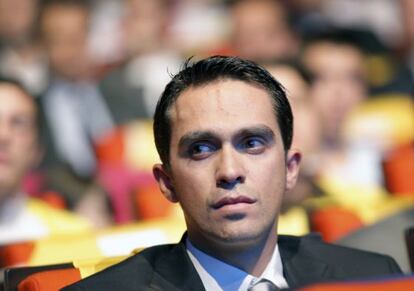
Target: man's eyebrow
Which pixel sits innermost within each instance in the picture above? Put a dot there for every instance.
(260, 130)
(194, 136)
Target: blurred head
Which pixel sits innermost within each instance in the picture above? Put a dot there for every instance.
(296, 81)
(339, 80)
(19, 148)
(17, 19)
(262, 31)
(145, 25)
(65, 28)
(208, 71)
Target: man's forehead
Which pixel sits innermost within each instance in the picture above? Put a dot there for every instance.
(220, 89)
(225, 103)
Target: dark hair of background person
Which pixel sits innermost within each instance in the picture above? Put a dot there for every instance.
(348, 37)
(213, 69)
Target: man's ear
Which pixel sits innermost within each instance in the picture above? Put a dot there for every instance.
(163, 178)
(292, 168)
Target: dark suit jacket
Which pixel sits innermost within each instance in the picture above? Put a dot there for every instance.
(125, 101)
(305, 260)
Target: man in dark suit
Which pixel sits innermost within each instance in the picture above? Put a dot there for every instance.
(223, 130)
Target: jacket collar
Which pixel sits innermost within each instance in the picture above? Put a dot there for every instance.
(175, 271)
(299, 266)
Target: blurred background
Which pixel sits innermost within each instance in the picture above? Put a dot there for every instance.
(94, 71)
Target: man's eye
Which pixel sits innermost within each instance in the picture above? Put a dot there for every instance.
(200, 151)
(253, 145)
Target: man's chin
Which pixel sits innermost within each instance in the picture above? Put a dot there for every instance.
(240, 238)
(244, 235)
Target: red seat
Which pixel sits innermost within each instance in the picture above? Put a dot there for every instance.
(16, 253)
(52, 280)
(398, 170)
(404, 283)
(334, 222)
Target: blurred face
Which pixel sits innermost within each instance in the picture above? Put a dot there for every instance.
(145, 25)
(16, 19)
(228, 168)
(261, 32)
(306, 133)
(339, 82)
(65, 30)
(296, 88)
(18, 142)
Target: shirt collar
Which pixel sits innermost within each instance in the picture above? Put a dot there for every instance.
(214, 272)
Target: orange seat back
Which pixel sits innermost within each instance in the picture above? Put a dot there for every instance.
(398, 170)
(150, 203)
(110, 149)
(15, 254)
(334, 222)
(394, 284)
(52, 280)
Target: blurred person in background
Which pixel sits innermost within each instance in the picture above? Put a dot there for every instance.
(296, 80)
(21, 217)
(307, 134)
(132, 91)
(21, 56)
(339, 86)
(262, 30)
(339, 81)
(383, 28)
(74, 113)
(200, 27)
(381, 17)
(407, 8)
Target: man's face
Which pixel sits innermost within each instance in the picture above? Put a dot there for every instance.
(228, 166)
(18, 142)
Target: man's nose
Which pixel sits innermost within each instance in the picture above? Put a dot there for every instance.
(230, 169)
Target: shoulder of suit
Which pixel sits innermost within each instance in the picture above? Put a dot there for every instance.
(134, 272)
(314, 241)
(313, 246)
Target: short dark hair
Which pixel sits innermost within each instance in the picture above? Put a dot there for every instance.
(213, 69)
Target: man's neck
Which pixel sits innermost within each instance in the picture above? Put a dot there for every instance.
(252, 257)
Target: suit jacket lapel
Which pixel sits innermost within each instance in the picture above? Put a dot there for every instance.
(176, 271)
(298, 266)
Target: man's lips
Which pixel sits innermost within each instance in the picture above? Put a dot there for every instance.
(232, 201)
